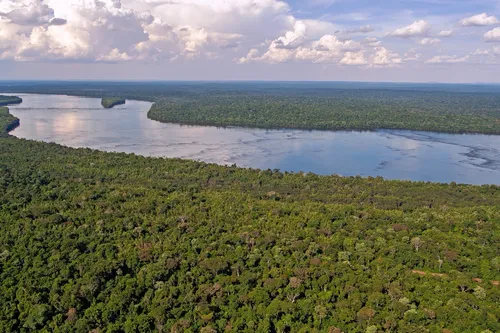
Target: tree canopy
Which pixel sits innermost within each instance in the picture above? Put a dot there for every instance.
(109, 242)
(110, 102)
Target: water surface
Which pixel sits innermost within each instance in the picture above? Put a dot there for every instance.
(392, 154)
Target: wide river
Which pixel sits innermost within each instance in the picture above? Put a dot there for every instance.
(412, 155)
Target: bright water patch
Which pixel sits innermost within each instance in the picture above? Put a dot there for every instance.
(411, 155)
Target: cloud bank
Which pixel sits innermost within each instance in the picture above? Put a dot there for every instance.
(238, 32)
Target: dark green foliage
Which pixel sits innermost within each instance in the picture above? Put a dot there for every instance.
(320, 105)
(110, 102)
(340, 110)
(7, 100)
(122, 243)
(7, 121)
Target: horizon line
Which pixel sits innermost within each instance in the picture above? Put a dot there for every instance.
(244, 81)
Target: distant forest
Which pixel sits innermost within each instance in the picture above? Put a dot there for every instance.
(108, 242)
(323, 106)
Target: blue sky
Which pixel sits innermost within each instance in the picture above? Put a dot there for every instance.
(408, 40)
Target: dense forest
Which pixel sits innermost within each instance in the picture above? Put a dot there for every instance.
(108, 242)
(7, 121)
(348, 110)
(325, 106)
(7, 100)
(110, 102)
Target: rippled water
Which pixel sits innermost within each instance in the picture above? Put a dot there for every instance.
(82, 122)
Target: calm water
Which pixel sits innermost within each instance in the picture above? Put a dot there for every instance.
(82, 122)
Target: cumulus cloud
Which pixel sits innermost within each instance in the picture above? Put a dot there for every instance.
(479, 20)
(372, 41)
(480, 52)
(412, 55)
(264, 31)
(292, 39)
(31, 14)
(429, 41)
(98, 30)
(385, 57)
(492, 35)
(416, 29)
(496, 50)
(445, 33)
(124, 30)
(298, 45)
(444, 59)
(354, 58)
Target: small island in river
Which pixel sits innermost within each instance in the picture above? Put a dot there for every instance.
(108, 103)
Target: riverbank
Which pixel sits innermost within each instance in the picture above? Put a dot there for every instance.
(8, 100)
(435, 108)
(7, 121)
(418, 156)
(194, 238)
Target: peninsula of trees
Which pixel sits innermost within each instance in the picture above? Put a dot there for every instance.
(109, 242)
(7, 121)
(110, 102)
(323, 106)
(7, 100)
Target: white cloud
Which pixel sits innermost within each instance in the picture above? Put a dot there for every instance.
(299, 45)
(445, 33)
(496, 50)
(33, 13)
(294, 38)
(250, 17)
(372, 41)
(123, 30)
(167, 30)
(479, 20)
(332, 43)
(412, 55)
(429, 41)
(362, 29)
(492, 35)
(444, 59)
(95, 31)
(354, 58)
(480, 52)
(114, 56)
(416, 29)
(385, 57)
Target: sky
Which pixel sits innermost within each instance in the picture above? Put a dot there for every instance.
(333, 40)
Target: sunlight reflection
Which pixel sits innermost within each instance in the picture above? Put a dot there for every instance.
(65, 123)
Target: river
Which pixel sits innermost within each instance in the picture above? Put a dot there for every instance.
(392, 154)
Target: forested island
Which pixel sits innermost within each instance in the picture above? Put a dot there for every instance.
(322, 106)
(7, 100)
(109, 242)
(110, 102)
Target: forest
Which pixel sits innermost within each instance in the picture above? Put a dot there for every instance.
(302, 105)
(110, 102)
(110, 242)
(345, 111)
(6, 100)
(7, 121)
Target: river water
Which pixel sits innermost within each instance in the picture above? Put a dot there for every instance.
(392, 154)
